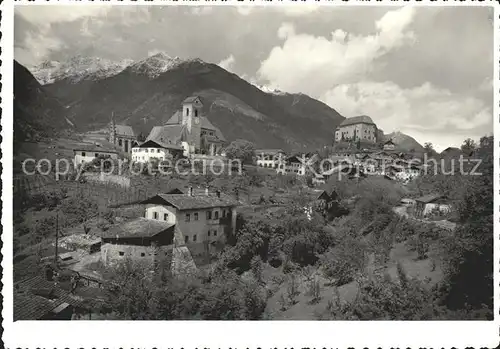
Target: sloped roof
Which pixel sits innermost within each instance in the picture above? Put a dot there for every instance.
(29, 306)
(191, 99)
(362, 119)
(269, 151)
(188, 202)
(137, 228)
(159, 144)
(390, 142)
(124, 130)
(428, 198)
(176, 119)
(173, 133)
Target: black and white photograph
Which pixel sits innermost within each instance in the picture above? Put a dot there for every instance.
(306, 162)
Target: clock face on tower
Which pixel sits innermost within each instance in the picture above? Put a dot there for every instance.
(196, 120)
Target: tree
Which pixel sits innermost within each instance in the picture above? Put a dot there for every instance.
(429, 148)
(242, 150)
(468, 146)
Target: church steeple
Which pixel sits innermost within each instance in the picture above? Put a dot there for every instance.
(112, 129)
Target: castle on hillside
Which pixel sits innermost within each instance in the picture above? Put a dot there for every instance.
(357, 128)
(122, 136)
(190, 129)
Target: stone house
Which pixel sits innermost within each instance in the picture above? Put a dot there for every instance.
(431, 203)
(357, 128)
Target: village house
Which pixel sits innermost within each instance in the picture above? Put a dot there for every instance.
(321, 201)
(403, 171)
(122, 136)
(389, 145)
(87, 153)
(357, 128)
(270, 158)
(170, 221)
(298, 165)
(191, 130)
(141, 239)
(430, 204)
(156, 150)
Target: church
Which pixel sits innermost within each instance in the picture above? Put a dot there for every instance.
(122, 136)
(189, 129)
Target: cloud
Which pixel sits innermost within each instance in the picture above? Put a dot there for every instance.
(227, 63)
(36, 47)
(425, 112)
(45, 15)
(343, 58)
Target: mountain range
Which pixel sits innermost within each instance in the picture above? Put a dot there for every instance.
(85, 93)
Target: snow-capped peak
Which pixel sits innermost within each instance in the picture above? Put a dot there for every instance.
(78, 68)
(155, 65)
(269, 89)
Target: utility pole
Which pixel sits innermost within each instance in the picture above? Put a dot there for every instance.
(57, 238)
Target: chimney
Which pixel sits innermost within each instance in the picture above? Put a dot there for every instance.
(206, 190)
(217, 192)
(190, 191)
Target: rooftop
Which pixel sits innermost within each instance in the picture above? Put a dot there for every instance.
(188, 202)
(428, 198)
(137, 228)
(362, 119)
(124, 130)
(191, 99)
(169, 133)
(159, 144)
(269, 151)
(30, 305)
(176, 119)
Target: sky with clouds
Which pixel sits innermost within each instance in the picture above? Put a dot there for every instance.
(425, 71)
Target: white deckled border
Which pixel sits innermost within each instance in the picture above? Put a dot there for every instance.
(235, 334)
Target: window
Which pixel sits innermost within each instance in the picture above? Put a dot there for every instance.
(121, 253)
(142, 254)
(155, 215)
(83, 153)
(157, 150)
(146, 150)
(215, 232)
(188, 217)
(196, 216)
(96, 155)
(209, 233)
(196, 112)
(194, 237)
(145, 214)
(209, 214)
(216, 215)
(165, 216)
(186, 239)
(120, 142)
